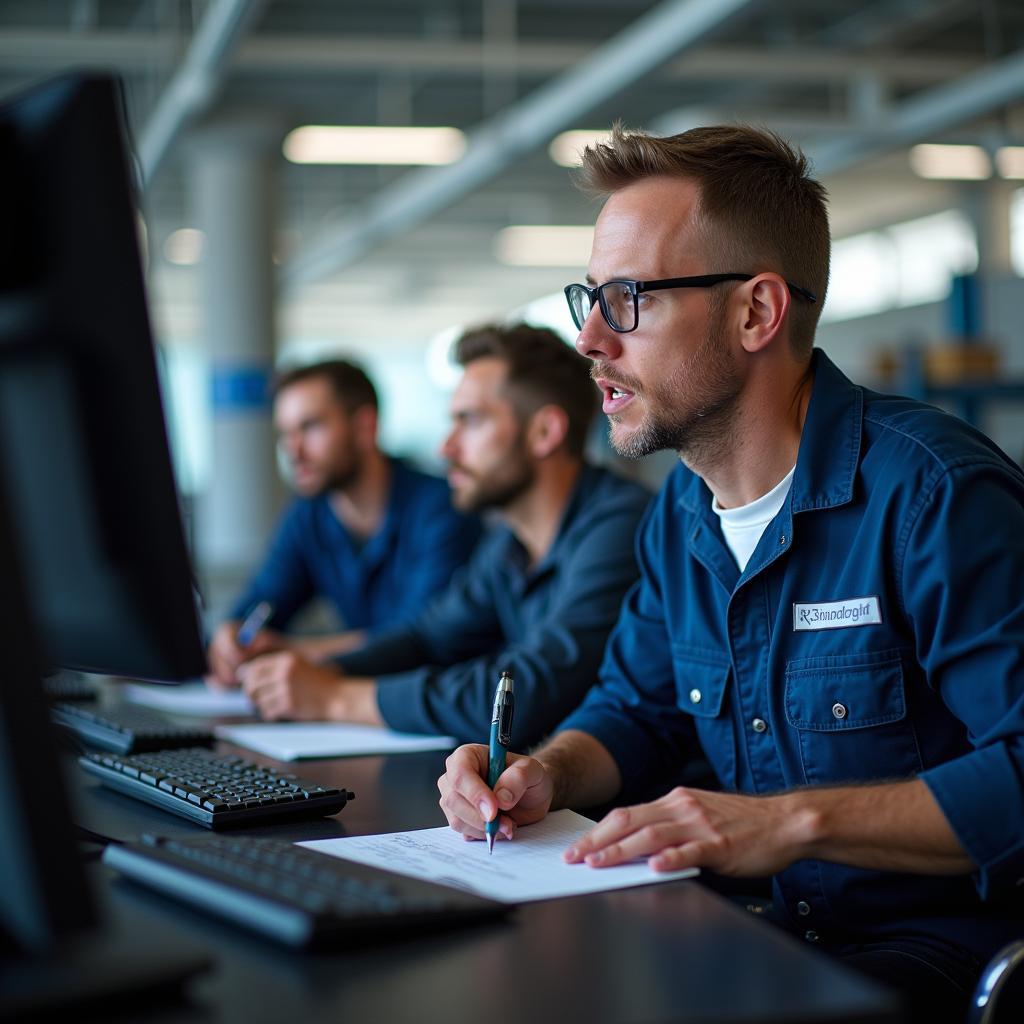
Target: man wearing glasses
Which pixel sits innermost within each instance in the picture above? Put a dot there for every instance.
(831, 601)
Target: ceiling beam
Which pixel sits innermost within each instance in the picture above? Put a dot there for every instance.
(35, 51)
(924, 115)
(497, 143)
(197, 80)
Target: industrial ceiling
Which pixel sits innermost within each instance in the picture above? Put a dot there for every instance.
(414, 249)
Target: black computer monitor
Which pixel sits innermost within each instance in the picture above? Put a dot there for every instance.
(93, 566)
(83, 442)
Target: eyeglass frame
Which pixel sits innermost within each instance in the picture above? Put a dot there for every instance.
(638, 287)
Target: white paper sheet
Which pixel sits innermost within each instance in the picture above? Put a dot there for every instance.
(530, 867)
(189, 699)
(290, 741)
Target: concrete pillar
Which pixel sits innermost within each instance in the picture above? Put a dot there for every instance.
(987, 203)
(233, 189)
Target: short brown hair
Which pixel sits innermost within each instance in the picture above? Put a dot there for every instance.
(351, 387)
(759, 208)
(542, 370)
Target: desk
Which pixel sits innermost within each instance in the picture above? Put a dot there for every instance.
(671, 952)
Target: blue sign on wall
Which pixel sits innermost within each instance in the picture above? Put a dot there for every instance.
(240, 389)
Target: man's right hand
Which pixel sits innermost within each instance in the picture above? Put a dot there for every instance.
(226, 654)
(522, 793)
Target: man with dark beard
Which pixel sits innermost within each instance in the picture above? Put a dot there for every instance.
(540, 593)
(831, 594)
(370, 533)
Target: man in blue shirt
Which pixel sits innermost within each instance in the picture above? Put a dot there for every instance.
(542, 590)
(371, 534)
(831, 599)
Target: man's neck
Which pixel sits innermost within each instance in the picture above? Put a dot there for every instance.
(765, 441)
(362, 504)
(535, 516)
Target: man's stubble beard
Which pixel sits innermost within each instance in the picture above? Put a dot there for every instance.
(699, 434)
(517, 477)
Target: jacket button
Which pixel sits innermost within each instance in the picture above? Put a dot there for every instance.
(810, 935)
(759, 725)
(695, 695)
(803, 908)
(839, 710)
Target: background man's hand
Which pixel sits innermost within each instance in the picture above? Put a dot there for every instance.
(522, 794)
(285, 685)
(226, 655)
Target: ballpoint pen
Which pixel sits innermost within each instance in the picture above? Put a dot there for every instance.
(500, 741)
(254, 622)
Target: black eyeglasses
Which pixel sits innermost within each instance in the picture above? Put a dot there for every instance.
(618, 303)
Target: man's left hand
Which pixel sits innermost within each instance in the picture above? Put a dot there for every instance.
(284, 685)
(730, 834)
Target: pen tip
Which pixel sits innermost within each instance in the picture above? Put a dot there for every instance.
(490, 844)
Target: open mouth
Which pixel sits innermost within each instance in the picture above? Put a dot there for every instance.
(615, 398)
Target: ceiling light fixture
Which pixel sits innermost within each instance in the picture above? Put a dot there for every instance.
(369, 144)
(566, 149)
(962, 163)
(544, 245)
(1010, 161)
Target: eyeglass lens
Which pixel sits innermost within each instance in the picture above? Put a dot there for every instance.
(617, 304)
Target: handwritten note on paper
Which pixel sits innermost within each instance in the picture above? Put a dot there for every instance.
(530, 867)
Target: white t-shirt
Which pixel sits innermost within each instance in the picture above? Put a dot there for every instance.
(743, 526)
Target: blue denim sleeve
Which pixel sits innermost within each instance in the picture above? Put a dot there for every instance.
(554, 661)
(962, 581)
(282, 579)
(441, 541)
(456, 624)
(633, 711)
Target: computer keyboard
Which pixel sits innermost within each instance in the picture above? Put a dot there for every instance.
(215, 790)
(69, 686)
(291, 894)
(126, 729)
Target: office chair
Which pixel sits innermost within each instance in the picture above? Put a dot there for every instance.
(999, 995)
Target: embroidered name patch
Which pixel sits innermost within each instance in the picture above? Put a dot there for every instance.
(856, 611)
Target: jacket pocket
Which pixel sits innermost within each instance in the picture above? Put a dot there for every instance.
(850, 713)
(702, 681)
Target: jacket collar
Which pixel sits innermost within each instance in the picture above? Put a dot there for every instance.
(829, 446)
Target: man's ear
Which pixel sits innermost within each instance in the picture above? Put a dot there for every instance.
(767, 302)
(546, 430)
(364, 427)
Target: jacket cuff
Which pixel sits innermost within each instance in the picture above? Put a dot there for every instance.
(982, 798)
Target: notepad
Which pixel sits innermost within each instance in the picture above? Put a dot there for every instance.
(528, 868)
(292, 741)
(189, 699)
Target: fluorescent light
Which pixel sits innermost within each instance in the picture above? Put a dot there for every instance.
(964, 163)
(184, 246)
(566, 149)
(544, 245)
(368, 144)
(1010, 161)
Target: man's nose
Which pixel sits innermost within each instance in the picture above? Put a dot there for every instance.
(597, 341)
(447, 449)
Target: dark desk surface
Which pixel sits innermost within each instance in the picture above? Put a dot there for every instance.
(670, 952)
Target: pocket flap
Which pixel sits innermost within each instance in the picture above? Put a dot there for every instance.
(845, 691)
(700, 681)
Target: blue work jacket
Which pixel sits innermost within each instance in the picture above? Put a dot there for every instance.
(876, 633)
(376, 585)
(546, 623)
